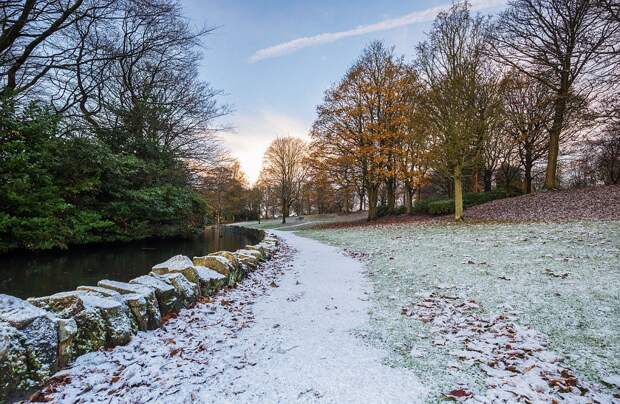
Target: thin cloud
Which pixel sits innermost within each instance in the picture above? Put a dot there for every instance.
(294, 45)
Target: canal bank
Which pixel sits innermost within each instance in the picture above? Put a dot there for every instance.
(45, 334)
(38, 274)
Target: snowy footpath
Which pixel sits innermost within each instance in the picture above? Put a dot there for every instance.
(285, 334)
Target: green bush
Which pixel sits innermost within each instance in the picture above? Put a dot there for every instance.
(60, 191)
(382, 210)
(478, 198)
(422, 206)
(436, 206)
(441, 207)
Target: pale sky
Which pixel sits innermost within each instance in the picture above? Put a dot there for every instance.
(275, 58)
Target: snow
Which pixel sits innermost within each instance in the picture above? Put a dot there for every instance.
(292, 331)
(559, 280)
(178, 262)
(207, 274)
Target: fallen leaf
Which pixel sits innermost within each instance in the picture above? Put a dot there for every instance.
(459, 394)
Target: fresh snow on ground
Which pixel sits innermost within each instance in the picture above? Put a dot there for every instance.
(559, 281)
(290, 332)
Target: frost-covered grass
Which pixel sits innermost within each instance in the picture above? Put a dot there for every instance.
(560, 279)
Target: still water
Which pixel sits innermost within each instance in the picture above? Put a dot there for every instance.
(41, 274)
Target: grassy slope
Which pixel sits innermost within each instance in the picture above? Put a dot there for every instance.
(580, 314)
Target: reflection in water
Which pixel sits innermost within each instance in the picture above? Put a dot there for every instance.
(27, 275)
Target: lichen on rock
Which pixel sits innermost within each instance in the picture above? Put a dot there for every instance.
(165, 292)
(40, 334)
(14, 372)
(152, 305)
(187, 291)
(221, 265)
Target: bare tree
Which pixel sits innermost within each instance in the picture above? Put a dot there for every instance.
(37, 39)
(143, 88)
(125, 71)
(605, 153)
(284, 168)
(556, 42)
(529, 114)
(451, 63)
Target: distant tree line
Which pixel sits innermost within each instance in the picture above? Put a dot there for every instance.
(104, 122)
(524, 101)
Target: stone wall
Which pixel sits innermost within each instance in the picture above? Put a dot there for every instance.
(42, 335)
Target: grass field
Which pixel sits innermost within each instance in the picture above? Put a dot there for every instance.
(562, 280)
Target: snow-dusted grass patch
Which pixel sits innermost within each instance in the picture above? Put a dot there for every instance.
(561, 280)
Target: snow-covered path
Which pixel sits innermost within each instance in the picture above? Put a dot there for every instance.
(302, 341)
(286, 334)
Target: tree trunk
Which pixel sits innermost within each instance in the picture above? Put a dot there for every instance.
(488, 180)
(527, 168)
(390, 186)
(476, 181)
(372, 202)
(554, 137)
(408, 198)
(284, 210)
(458, 195)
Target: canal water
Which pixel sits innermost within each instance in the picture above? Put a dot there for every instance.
(40, 274)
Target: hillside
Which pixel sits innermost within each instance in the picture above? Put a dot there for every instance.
(597, 203)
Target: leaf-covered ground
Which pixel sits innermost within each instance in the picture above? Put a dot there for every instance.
(559, 281)
(601, 203)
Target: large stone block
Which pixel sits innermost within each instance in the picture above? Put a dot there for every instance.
(229, 256)
(98, 290)
(152, 305)
(217, 263)
(247, 261)
(40, 334)
(91, 332)
(178, 264)
(165, 292)
(222, 265)
(187, 291)
(254, 253)
(67, 332)
(91, 328)
(259, 248)
(119, 325)
(135, 304)
(14, 358)
(208, 280)
(99, 320)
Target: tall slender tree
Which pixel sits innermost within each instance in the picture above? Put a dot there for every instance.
(451, 63)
